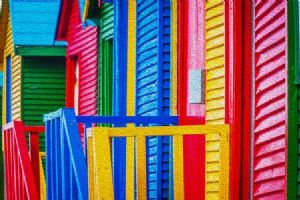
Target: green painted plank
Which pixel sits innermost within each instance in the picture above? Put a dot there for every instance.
(40, 51)
(105, 60)
(43, 89)
(293, 188)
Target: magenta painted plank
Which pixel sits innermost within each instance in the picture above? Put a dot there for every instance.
(270, 100)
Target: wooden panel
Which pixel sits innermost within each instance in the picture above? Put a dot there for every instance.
(43, 89)
(16, 79)
(105, 72)
(270, 100)
(215, 62)
(191, 61)
(215, 91)
(83, 46)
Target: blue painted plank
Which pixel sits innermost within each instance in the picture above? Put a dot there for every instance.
(123, 120)
(77, 158)
(8, 90)
(120, 93)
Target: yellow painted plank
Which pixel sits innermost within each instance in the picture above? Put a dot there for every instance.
(174, 63)
(103, 164)
(167, 130)
(130, 168)
(91, 172)
(42, 178)
(225, 155)
(211, 131)
(141, 167)
(131, 57)
(178, 168)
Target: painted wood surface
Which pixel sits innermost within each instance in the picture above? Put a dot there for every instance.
(293, 183)
(16, 79)
(42, 89)
(83, 47)
(105, 71)
(191, 58)
(153, 86)
(270, 100)
(34, 22)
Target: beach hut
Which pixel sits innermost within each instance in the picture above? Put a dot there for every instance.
(33, 62)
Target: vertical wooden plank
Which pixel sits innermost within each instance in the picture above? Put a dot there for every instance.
(91, 172)
(35, 157)
(141, 167)
(131, 48)
(224, 165)
(246, 126)
(293, 100)
(42, 179)
(174, 62)
(178, 168)
(101, 144)
(130, 176)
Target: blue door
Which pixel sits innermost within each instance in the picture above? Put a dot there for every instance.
(8, 90)
(153, 87)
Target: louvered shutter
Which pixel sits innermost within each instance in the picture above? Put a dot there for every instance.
(270, 100)
(153, 87)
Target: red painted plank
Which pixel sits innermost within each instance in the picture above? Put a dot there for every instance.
(233, 91)
(35, 158)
